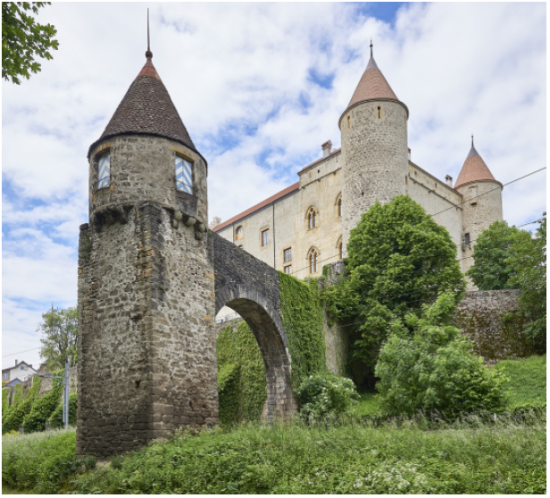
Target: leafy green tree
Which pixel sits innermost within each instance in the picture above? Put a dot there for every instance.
(434, 370)
(23, 40)
(399, 258)
(59, 341)
(527, 256)
(490, 270)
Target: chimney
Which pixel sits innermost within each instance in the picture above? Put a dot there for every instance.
(15, 362)
(327, 148)
(408, 154)
(449, 180)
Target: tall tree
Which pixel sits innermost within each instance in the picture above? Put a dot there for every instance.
(490, 270)
(59, 337)
(527, 256)
(23, 40)
(399, 259)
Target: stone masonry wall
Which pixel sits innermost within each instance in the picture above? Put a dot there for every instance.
(480, 316)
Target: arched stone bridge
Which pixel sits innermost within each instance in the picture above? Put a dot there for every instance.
(251, 288)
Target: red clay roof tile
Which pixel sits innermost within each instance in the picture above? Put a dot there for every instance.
(474, 169)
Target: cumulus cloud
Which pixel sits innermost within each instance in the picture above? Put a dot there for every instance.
(260, 87)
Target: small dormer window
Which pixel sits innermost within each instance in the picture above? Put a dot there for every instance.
(104, 171)
(184, 175)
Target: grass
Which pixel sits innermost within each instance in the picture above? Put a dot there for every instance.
(527, 384)
(475, 455)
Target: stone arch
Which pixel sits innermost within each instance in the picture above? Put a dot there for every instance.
(312, 217)
(251, 288)
(313, 260)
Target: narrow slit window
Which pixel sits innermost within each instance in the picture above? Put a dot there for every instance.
(349, 122)
(340, 250)
(184, 175)
(340, 207)
(466, 239)
(104, 171)
(379, 110)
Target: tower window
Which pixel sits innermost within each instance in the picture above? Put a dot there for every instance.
(340, 247)
(104, 171)
(379, 112)
(349, 122)
(265, 237)
(239, 233)
(287, 255)
(311, 218)
(313, 261)
(467, 239)
(184, 175)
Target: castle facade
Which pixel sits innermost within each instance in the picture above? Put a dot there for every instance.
(307, 225)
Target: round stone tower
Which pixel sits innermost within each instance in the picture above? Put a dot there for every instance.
(146, 307)
(482, 202)
(374, 147)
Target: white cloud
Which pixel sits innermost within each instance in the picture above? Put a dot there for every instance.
(236, 73)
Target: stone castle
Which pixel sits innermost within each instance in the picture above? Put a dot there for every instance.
(152, 277)
(307, 225)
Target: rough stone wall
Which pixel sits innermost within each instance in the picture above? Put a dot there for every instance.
(251, 288)
(478, 214)
(374, 158)
(47, 384)
(480, 316)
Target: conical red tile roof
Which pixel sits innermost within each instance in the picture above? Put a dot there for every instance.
(147, 109)
(372, 85)
(474, 169)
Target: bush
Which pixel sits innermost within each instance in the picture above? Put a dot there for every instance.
(322, 394)
(90, 462)
(16, 414)
(56, 418)
(43, 407)
(435, 369)
(5, 402)
(116, 462)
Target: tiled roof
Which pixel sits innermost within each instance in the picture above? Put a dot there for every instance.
(474, 169)
(372, 86)
(147, 109)
(257, 207)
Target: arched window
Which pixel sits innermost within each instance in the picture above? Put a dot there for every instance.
(311, 218)
(239, 232)
(104, 171)
(340, 248)
(339, 204)
(313, 260)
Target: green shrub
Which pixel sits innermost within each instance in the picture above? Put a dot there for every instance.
(435, 369)
(18, 395)
(326, 393)
(241, 375)
(40, 461)
(116, 461)
(90, 462)
(16, 413)
(56, 418)
(5, 402)
(43, 407)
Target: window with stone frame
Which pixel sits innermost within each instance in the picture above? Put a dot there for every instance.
(313, 261)
(287, 253)
(265, 237)
(467, 239)
(104, 171)
(239, 232)
(184, 175)
(288, 269)
(339, 205)
(312, 216)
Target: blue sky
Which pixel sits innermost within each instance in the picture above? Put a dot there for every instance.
(260, 87)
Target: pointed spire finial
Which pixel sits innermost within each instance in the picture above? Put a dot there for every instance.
(148, 54)
(472, 139)
(371, 56)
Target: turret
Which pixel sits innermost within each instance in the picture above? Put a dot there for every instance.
(482, 196)
(374, 147)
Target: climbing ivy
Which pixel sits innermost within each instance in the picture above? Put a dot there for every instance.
(17, 412)
(56, 418)
(302, 316)
(241, 375)
(43, 407)
(5, 402)
(18, 395)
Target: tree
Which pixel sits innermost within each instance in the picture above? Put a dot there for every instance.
(434, 370)
(490, 270)
(527, 256)
(59, 341)
(399, 259)
(23, 40)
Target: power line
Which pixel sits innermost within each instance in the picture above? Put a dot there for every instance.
(19, 352)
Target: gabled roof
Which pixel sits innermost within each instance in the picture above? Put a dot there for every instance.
(147, 109)
(13, 382)
(474, 169)
(279, 195)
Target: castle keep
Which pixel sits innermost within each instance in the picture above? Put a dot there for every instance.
(307, 225)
